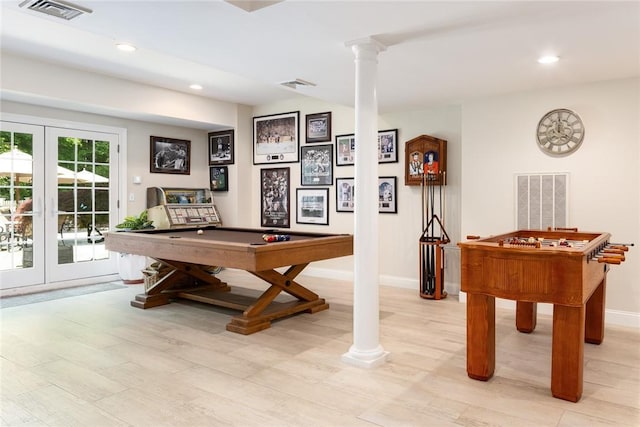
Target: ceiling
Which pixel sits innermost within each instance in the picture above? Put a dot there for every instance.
(437, 52)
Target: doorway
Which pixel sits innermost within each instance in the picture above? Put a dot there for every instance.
(58, 195)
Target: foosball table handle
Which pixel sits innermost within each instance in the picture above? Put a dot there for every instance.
(609, 260)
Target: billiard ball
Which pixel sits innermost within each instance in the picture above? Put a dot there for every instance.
(200, 232)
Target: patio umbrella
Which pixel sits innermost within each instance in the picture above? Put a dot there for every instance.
(88, 176)
(19, 165)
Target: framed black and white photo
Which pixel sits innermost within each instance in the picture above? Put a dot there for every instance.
(219, 178)
(221, 147)
(276, 138)
(312, 206)
(387, 195)
(345, 149)
(317, 164)
(344, 194)
(274, 195)
(318, 127)
(169, 155)
(388, 146)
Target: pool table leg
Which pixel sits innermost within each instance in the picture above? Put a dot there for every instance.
(481, 336)
(258, 316)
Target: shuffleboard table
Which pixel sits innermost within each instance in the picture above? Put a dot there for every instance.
(190, 252)
(565, 268)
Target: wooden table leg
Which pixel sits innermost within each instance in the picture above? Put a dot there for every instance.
(481, 336)
(567, 352)
(594, 316)
(526, 316)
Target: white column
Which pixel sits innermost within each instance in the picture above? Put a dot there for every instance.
(366, 350)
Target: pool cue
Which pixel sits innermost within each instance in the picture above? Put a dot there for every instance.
(423, 249)
(432, 269)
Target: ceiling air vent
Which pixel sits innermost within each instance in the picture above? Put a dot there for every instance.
(293, 84)
(57, 8)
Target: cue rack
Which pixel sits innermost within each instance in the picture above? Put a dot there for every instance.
(433, 237)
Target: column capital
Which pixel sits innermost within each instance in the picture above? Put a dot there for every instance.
(366, 44)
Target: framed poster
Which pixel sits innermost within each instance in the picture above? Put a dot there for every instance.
(274, 195)
(219, 178)
(388, 146)
(345, 149)
(169, 155)
(387, 195)
(317, 164)
(425, 160)
(312, 206)
(318, 127)
(344, 194)
(276, 138)
(221, 147)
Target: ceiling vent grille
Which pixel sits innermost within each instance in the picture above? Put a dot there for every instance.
(293, 84)
(58, 8)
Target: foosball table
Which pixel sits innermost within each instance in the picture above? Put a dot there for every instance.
(562, 267)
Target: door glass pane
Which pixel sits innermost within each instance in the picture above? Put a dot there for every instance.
(16, 191)
(83, 199)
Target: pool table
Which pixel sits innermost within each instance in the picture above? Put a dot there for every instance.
(189, 254)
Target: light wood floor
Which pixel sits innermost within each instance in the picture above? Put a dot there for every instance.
(92, 360)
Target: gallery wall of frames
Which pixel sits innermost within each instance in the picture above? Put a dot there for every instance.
(282, 142)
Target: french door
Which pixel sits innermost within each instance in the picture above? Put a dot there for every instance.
(57, 205)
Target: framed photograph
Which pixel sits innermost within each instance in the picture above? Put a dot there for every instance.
(317, 164)
(221, 147)
(170, 155)
(387, 195)
(313, 206)
(274, 195)
(388, 146)
(219, 178)
(344, 194)
(318, 127)
(276, 138)
(345, 149)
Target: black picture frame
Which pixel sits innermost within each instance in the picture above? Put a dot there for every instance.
(170, 155)
(276, 138)
(345, 149)
(312, 206)
(345, 193)
(219, 178)
(318, 127)
(388, 194)
(221, 147)
(316, 165)
(388, 146)
(275, 196)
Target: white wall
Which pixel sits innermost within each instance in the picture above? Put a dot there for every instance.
(398, 233)
(499, 141)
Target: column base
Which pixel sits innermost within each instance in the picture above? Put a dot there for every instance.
(366, 359)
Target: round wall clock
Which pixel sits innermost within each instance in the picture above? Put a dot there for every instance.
(560, 132)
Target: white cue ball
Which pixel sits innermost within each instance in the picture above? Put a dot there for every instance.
(200, 232)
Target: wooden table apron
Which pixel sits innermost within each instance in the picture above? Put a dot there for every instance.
(560, 276)
(189, 254)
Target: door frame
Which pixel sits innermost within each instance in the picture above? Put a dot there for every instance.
(88, 127)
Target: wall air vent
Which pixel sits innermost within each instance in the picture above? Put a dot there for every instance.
(58, 8)
(293, 84)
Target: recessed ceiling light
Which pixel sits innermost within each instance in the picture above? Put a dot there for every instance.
(196, 87)
(126, 47)
(549, 59)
